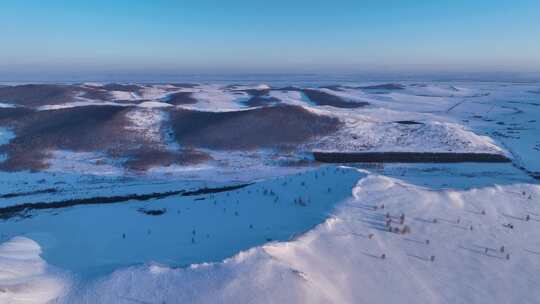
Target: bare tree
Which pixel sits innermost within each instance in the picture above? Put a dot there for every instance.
(406, 229)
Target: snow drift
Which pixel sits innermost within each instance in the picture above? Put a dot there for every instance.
(25, 278)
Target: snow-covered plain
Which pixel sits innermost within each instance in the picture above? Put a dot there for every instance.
(458, 251)
(300, 232)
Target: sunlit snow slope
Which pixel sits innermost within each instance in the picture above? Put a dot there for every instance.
(459, 249)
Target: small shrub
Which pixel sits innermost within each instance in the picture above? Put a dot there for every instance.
(406, 229)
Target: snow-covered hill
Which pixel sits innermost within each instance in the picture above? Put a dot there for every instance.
(461, 246)
(141, 127)
(198, 193)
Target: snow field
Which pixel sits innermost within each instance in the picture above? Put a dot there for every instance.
(352, 258)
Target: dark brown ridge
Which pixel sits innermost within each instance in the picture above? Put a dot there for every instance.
(262, 101)
(408, 157)
(122, 87)
(145, 158)
(82, 129)
(37, 94)
(91, 128)
(386, 86)
(15, 210)
(180, 98)
(185, 85)
(324, 99)
(17, 194)
(267, 127)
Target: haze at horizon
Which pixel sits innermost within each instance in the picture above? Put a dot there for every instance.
(67, 38)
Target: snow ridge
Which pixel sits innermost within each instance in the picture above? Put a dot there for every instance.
(25, 278)
(456, 239)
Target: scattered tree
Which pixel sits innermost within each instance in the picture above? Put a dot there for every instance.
(509, 225)
(406, 229)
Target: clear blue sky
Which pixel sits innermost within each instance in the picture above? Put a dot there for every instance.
(264, 36)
